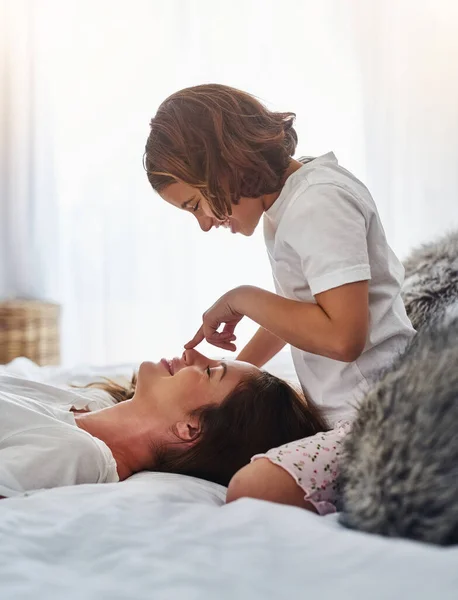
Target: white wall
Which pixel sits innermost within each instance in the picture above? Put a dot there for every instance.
(137, 274)
(374, 81)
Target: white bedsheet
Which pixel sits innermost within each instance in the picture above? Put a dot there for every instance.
(127, 540)
(158, 536)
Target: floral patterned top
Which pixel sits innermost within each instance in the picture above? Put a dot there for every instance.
(313, 462)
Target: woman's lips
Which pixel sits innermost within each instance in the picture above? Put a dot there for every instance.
(167, 365)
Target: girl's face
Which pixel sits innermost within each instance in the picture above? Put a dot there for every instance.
(172, 389)
(245, 215)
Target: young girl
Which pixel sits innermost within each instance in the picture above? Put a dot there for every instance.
(219, 154)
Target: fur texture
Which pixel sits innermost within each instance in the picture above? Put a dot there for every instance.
(431, 281)
(399, 471)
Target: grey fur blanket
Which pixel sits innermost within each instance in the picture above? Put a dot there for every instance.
(431, 280)
(399, 470)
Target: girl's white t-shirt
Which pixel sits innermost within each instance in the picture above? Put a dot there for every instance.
(40, 444)
(324, 231)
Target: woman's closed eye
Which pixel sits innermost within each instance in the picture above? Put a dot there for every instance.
(210, 371)
(195, 208)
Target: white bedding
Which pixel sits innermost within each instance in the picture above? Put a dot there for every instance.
(160, 536)
(136, 540)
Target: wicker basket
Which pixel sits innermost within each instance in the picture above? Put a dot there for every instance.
(29, 328)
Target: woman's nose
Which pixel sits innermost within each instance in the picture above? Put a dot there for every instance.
(192, 357)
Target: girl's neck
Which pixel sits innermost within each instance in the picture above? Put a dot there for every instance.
(269, 199)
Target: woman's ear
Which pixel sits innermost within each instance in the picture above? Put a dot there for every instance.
(188, 430)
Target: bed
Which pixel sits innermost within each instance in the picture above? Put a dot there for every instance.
(167, 536)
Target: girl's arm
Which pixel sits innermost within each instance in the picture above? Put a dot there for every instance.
(261, 348)
(335, 327)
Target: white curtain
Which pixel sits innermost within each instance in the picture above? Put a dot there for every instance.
(29, 213)
(366, 79)
(407, 51)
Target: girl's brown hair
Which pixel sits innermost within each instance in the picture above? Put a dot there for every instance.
(262, 412)
(223, 142)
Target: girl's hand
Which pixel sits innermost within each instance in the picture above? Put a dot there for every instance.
(223, 311)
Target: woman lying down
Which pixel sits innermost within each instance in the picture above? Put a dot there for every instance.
(192, 415)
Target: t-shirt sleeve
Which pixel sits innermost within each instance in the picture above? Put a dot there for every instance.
(327, 228)
(46, 459)
(313, 463)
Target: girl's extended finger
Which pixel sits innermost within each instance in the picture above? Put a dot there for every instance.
(199, 337)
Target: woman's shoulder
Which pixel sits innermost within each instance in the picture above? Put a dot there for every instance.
(51, 454)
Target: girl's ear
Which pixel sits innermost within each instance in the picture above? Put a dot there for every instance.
(188, 430)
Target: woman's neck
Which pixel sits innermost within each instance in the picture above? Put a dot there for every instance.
(126, 432)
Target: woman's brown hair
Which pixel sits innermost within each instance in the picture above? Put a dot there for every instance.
(222, 141)
(117, 391)
(262, 412)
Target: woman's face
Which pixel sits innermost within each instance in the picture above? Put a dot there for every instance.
(172, 389)
(245, 215)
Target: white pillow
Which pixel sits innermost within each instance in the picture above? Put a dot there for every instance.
(157, 487)
(171, 487)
